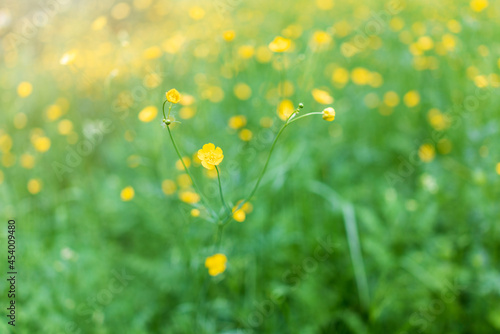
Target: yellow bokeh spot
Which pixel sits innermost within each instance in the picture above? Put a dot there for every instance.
(263, 54)
(152, 52)
(340, 76)
(168, 187)
(5, 143)
(127, 194)
(426, 152)
(20, 120)
(24, 89)
(322, 96)
(237, 122)
(41, 144)
(187, 112)
(34, 186)
(53, 112)
(148, 114)
(242, 91)
(120, 11)
(454, 26)
(425, 43)
(498, 168)
(286, 88)
(360, 76)
(228, 35)
(321, 38)
(266, 122)
(184, 181)
(479, 5)
(27, 161)
(142, 4)
(239, 215)
(411, 99)
(196, 13)
(65, 127)
(285, 109)
(245, 135)
(189, 197)
(195, 213)
(391, 99)
(99, 23)
(397, 24)
(324, 4)
(246, 51)
(180, 166)
(437, 119)
(8, 159)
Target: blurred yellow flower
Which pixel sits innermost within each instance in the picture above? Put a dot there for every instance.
(479, 5)
(437, 119)
(99, 23)
(184, 181)
(411, 99)
(324, 4)
(41, 144)
(280, 44)
(148, 114)
(263, 54)
(216, 264)
(322, 96)
(152, 53)
(27, 161)
(239, 215)
(426, 152)
(360, 76)
(53, 112)
(246, 51)
(65, 127)
(168, 187)
(34, 186)
(5, 143)
(498, 168)
(178, 163)
(425, 43)
(391, 99)
(196, 13)
(321, 38)
(195, 212)
(242, 91)
(228, 35)
(173, 96)
(210, 156)
(245, 135)
(285, 109)
(24, 89)
(20, 120)
(340, 75)
(189, 197)
(328, 114)
(120, 11)
(237, 122)
(127, 194)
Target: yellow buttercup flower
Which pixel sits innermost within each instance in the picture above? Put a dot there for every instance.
(216, 264)
(210, 156)
(329, 114)
(280, 44)
(173, 96)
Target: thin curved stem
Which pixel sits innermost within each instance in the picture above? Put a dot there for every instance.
(249, 197)
(163, 109)
(224, 204)
(205, 202)
(309, 114)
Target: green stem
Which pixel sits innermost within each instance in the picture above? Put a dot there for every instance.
(189, 174)
(163, 109)
(220, 191)
(169, 109)
(218, 237)
(249, 197)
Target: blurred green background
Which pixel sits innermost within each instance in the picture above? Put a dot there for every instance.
(383, 221)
